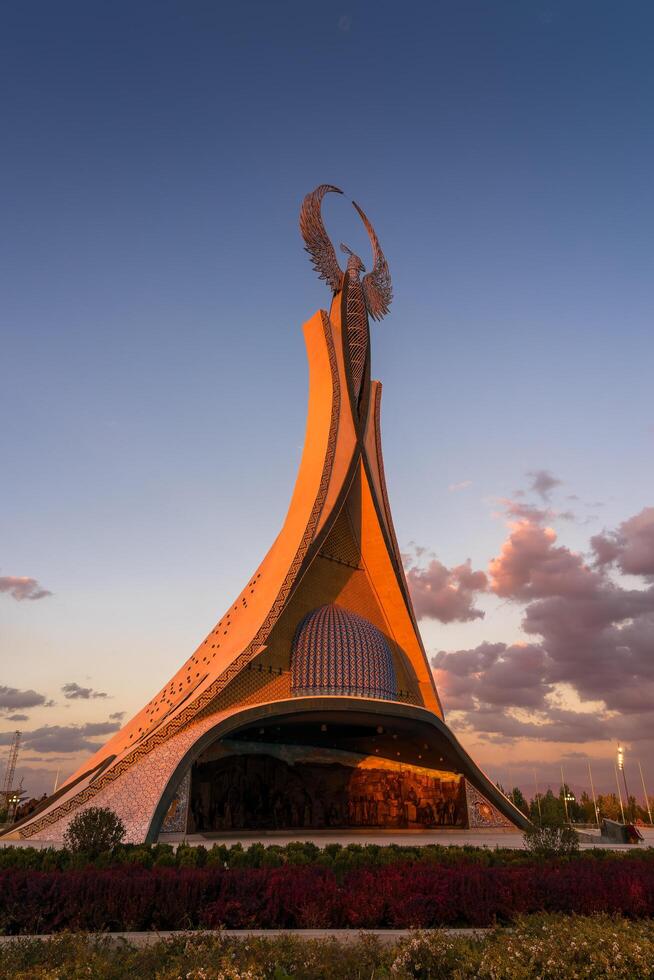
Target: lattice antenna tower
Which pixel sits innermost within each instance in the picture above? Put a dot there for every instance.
(11, 765)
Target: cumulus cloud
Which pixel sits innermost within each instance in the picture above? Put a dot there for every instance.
(12, 698)
(73, 692)
(631, 547)
(560, 725)
(517, 510)
(463, 485)
(601, 644)
(493, 674)
(531, 565)
(21, 587)
(586, 634)
(16, 717)
(117, 715)
(445, 594)
(64, 738)
(543, 482)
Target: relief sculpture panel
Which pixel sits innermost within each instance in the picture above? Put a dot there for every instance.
(262, 791)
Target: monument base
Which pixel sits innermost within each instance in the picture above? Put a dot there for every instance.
(326, 772)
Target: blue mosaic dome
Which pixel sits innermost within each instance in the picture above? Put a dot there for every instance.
(337, 652)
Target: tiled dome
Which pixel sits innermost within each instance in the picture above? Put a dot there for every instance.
(337, 652)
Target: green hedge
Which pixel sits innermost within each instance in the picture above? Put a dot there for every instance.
(334, 856)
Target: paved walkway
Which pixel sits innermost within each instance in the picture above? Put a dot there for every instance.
(385, 936)
(447, 838)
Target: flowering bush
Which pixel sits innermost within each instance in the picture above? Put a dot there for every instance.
(403, 895)
(547, 842)
(544, 947)
(579, 949)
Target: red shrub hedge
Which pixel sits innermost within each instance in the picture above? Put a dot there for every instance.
(397, 895)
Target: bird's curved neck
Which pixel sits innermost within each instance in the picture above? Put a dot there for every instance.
(353, 268)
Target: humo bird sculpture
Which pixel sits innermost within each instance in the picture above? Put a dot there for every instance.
(360, 297)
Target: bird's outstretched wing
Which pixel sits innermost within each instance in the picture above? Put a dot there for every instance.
(377, 287)
(317, 243)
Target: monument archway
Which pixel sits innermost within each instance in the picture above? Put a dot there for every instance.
(321, 763)
(311, 700)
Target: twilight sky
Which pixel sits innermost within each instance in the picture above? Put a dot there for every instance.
(152, 370)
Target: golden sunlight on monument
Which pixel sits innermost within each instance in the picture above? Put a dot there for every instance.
(311, 703)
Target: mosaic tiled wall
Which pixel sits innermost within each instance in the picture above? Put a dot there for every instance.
(481, 813)
(176, 820)
(136, 794)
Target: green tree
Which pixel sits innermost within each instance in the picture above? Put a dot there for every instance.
(587, 808)
(608, 805)
(631, 809)
(519, 800)
(552, 811)
(94, 831)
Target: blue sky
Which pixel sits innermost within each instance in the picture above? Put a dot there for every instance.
(152, 377)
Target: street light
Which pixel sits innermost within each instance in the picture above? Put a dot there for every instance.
(568, 796)
(647, 806)
(13, 802)
(624, 775)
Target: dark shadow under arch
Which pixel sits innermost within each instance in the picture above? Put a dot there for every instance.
(404, 718)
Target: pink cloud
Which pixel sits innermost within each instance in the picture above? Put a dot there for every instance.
(631, 546)
(543, 482)
(586, 631)
(446, 594)
(531, 566)
(493, 674)
(21, 587)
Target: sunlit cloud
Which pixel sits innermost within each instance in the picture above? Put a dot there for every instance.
(631, 547)
(585, 673)
(21, 587)
(445, 594)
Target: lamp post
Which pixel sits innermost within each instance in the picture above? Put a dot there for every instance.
(617, 783)
(592, 789)
(624, 776)
(642, 779)
(565, 797)
(540, 815)
(13, 802)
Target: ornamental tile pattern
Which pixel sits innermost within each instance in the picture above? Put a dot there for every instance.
(335, 651)
(135, 796)
(481, 813)
(176, 819)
